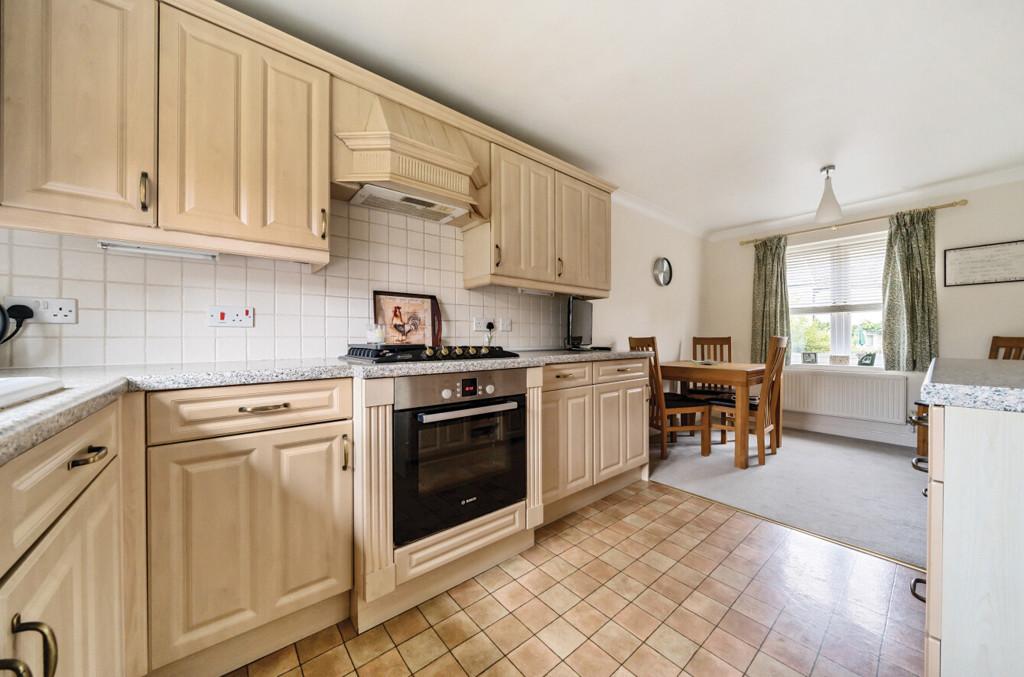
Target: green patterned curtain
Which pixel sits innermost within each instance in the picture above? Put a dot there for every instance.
(771, 298)
(910, 332)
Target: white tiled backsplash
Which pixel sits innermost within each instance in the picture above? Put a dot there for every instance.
(135, 309)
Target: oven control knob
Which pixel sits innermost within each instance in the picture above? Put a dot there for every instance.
(458, 350)
(471, 350)
(444, 351)
(446, 393)
(489, 388)
(429, 352)
(484, 350)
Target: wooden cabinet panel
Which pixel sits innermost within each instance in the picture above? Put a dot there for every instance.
(71, 580)
(620, 427)
(252, 527)
(583, 232)
(567, 375)
(567, 441)
(79, 107)
(244, 137)
(522, 217)
(619, 370)
(636, 434)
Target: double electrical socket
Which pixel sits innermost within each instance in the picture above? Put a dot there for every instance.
(231, 316)
(46, 310)
(502, 324)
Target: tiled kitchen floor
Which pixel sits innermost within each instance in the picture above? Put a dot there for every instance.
(649, 581)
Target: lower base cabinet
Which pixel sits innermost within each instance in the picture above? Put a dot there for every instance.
(620, 427)
(244, 530)
(69, 586)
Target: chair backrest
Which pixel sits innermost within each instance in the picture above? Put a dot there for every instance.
(717, 348)
(771, 388)
(1011, 347)
(649, 344)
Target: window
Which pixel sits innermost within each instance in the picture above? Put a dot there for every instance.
(835, 300)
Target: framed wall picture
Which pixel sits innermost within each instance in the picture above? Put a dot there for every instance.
(984, 264)
(809, 358)
(408, 319)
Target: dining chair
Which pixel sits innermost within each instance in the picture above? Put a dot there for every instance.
(666, 406)
(1011, 347)
(762, 408)
(716, 349)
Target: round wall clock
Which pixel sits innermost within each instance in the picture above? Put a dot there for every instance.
(662, 271)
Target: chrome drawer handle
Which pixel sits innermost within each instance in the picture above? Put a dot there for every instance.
(920, 463)
(262, 409)
(563, 375)
(14, 665)
(95, 454)
(913, 589)
(918, 420)
(623, 370)
(49, 641)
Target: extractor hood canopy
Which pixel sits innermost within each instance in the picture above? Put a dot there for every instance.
(383, 143)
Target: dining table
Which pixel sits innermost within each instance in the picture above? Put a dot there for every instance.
(741, 376)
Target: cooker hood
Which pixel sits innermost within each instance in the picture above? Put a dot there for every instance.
(426, 168)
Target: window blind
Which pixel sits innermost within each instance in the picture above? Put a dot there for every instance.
(836, 276)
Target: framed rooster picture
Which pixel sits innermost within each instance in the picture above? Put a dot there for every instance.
(408, 319)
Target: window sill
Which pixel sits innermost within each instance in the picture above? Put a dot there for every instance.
(840, 368)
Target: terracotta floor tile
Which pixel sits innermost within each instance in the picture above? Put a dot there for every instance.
(600, 570)
(556, 544)
(537, 581)
(477, 654)
(537, 555)
(658, 561)
(887, 669)
(274, 664)
(404, 626)
(467, 593)
(672, 589)
(513, 595)
(672, 645)
(535, 614)
(642, 572)
(689, 624)
(826, 667)
(610, 536)
(617, 559)
(731, 577)
(562, 670)
(331, 663)
(577, 556)
(607, 601)
(389, 664)
(370, 644)
(486, 611)
(764, 665)
(516, 566)
(686, 575)
(705, 607)
(533, 657)
(756, 609)
(808, 631)
(580, 583)
(445, 666)
(589, 660)
(633, 546)
(437, 608)
(421, 650)
(561, 637)
(585, 618)
(718, 591)
(671, 550)
(637, 621)
(626, 586)
(559, 598)
(900, 655)
(456, 629)
(646, 662)
(706, 664)
(508, 633)
(318, 643)
(747, 629)
(731, 649)
(616, 640)
(655, 604)
(502, 668)
(557, 568)
(347, 630)
(493, 578)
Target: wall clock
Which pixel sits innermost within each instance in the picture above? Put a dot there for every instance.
(662, 271)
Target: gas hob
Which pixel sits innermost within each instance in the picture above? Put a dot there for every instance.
(381, 353)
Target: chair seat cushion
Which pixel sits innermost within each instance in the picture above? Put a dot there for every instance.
(709, 392)
(727, 402)
(675, 401)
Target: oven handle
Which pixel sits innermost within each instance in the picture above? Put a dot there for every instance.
(464, 413)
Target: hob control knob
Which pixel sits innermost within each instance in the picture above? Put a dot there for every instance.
(458, 350)
(471, 350)
(489, 389)
(429, 352)
(446, 393)
(444, 351)
(484, 350)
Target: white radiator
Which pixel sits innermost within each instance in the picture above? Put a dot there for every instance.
(875, 396)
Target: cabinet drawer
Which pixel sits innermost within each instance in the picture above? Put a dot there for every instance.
(180, 415)
(619, 370)
(557, 376)
(37, 486)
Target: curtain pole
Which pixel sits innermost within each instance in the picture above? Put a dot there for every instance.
(945, 205)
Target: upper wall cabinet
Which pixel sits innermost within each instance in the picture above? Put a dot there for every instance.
(79, 108)
(244, 137)
(547, 231)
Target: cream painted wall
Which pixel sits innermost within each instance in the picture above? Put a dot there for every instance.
(968, 316)
(637, 305)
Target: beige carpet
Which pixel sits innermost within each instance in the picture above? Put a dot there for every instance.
(853, 491)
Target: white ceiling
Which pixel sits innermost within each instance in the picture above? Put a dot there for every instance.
(717, 113)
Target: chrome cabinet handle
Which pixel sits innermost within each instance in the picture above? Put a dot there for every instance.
(918, 420)
(561, 266)
(920, 463)
(913, 589)
(323, 224)
(49, 641)
(344, 446)
(144, 191)
(497, 261)
(14, 665)
(563, 375)
(265, 408)
(624, 369)
(95, 454)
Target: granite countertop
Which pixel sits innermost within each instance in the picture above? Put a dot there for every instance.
(89, 389)
(976, 384)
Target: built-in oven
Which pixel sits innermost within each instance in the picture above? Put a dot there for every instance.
(459, 449)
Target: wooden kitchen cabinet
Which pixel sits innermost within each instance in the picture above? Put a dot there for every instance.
(583, 231)
(620, 427)
(567, 418)
(79, 108)
(244, 137)
(244, 530)
(71, 581)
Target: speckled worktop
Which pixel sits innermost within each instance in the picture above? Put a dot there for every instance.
(89, 389)
(976, 384)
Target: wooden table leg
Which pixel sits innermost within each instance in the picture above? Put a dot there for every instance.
(742, 425)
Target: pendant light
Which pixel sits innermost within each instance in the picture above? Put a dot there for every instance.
(829, 210)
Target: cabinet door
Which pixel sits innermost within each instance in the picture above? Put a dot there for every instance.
(251, 527)
(522, 217)
(243, 137)
(71, 581)
(583, 231)
(620, 427)
(636, 433)
(568, 441)
(79, 107)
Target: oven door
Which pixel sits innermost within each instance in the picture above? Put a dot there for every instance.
(455, 462)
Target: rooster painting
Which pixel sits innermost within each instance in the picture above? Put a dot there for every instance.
(405, 326)
(408, 319)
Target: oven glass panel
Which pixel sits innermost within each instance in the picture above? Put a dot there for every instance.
(453, 470)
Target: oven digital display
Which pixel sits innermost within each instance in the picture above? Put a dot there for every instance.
(468, 386)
